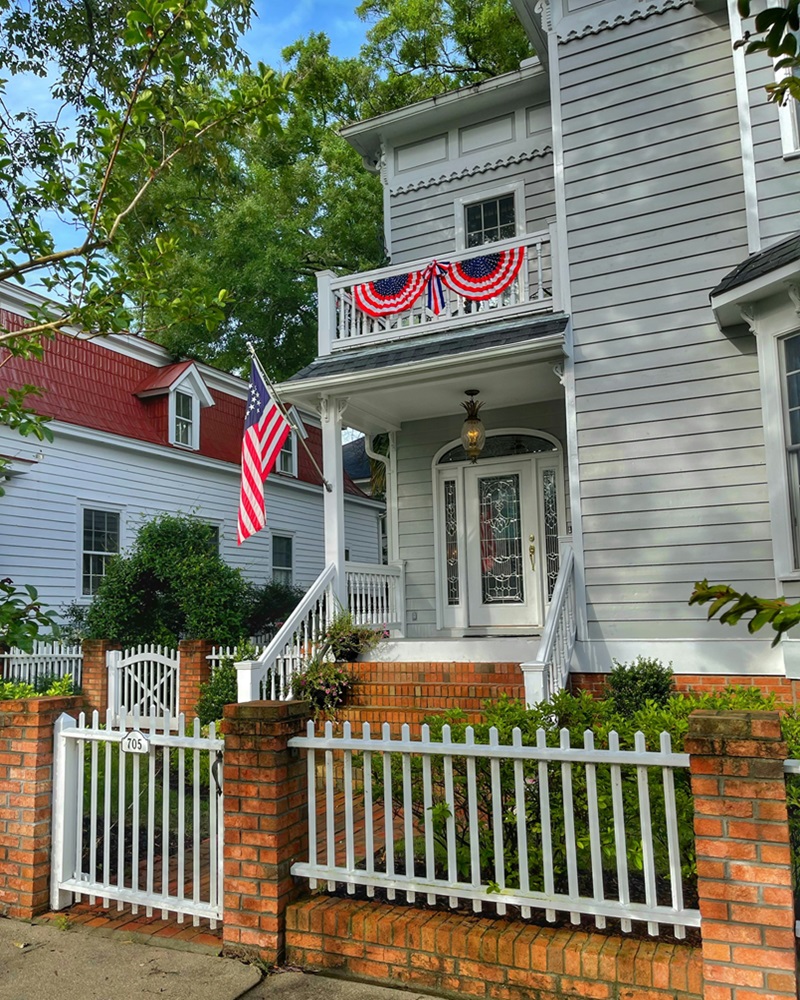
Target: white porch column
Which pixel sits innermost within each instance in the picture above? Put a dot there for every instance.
(331, 410)
(325, 312)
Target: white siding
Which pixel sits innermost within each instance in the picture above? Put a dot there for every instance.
(670, 438)
(417, 443)
(40, 520)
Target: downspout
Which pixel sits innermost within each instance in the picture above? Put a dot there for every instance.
(390, 462)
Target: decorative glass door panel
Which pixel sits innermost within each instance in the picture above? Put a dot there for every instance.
(501, 545)
(500, 529)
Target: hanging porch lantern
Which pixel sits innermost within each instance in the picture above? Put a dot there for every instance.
(473, 433)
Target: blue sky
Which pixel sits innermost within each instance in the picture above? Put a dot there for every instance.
(280, 24)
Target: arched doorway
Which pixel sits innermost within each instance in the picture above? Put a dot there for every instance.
(497, 527)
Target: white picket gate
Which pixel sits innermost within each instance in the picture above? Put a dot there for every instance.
(145, 680)
(138, 816)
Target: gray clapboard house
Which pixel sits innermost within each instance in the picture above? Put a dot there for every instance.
(640, 375)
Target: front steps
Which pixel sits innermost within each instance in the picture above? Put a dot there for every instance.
(400, 693)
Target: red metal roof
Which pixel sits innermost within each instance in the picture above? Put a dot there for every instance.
(85, 383)
(162, 378)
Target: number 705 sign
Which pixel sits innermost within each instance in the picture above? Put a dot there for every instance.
(135, 742)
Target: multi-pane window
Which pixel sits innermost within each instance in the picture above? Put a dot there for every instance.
(286, 457)
(100, 545)
(184, 419)
(282, 559)
(791, 363)
(490, 221)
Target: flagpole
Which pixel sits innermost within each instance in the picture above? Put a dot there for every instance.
(285, 412)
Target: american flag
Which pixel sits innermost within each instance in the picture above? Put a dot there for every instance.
(265, 430)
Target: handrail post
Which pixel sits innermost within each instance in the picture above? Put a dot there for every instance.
(554, 273)
(248, 680)
(326, 312)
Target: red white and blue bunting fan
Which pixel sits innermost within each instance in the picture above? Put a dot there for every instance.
(486, 276)
(386, 296)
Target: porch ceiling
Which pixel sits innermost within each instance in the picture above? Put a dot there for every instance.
(383, 399)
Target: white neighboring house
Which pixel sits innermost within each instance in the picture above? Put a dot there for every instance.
(138, 435)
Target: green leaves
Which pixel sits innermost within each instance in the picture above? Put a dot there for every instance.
(22, 615)
(778, 27)
(776, 612)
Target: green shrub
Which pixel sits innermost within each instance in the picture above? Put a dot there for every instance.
(632, 685)
(173, 585)
(221, 689)
(576, 714)
(15, 690)
(269, 605)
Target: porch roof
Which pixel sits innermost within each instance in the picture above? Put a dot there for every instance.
(407, 352)
(385, 386)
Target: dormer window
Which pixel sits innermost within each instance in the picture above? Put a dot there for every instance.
(187, 394)
(184, 419)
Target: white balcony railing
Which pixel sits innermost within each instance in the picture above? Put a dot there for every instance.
(343, 325)
(375, 595)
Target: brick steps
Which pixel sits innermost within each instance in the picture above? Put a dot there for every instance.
(400, 693)
(434, 697)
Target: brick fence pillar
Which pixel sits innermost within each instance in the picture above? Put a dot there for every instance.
(94, 682)
(26, 785)
(743, 855)
(195, 670)
(266, 824)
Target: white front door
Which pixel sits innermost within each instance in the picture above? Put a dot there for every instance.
(500, 529)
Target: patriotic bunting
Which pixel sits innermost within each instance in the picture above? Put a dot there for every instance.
(390, 295)
(433, 274)
(486, 276)
(477, 278)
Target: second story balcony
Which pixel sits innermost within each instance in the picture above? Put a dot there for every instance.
(443, 298)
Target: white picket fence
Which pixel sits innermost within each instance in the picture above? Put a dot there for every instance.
(446, 806)
(144, 680)
(46, 659)
(113, 804)
(220, 653)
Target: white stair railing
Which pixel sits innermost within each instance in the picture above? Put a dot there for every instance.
(549, 670)
(375, 594)
(299, 639)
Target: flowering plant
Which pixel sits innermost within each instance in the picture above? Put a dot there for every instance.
(347, 641)
(324, 684)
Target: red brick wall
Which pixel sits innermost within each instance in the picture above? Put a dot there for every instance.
(26, 763)
(266, 826)
(94, 683)
(743, 855)
(195, 671)
(484, 956)
(786, 691)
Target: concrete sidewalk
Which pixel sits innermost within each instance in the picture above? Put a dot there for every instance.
(40, 961)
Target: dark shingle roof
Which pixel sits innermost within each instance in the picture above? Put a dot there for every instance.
(759, 264)
(424, 349)
(354, 456)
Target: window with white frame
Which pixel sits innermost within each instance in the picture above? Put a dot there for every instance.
(287, 456)
(184, 425)
(491, 220)
(282, 559)
(100, 545)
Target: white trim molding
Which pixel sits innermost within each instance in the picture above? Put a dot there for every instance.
(575, 26)
(472, 170)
